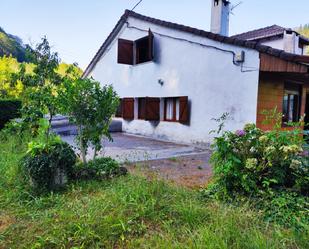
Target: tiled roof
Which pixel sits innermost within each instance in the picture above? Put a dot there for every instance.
(267, 32)
(270, 31)
(198, 32)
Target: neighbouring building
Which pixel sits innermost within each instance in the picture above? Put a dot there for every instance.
(277, 37)
(173, 80)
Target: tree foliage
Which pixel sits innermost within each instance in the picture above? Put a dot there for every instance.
(11, 86)
(91, 108)
(42, 85)
(11, 45)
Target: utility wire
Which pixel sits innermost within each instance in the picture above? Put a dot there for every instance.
(139, 2)
(251, 69)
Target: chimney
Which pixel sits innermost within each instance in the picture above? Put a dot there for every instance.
(220, 11)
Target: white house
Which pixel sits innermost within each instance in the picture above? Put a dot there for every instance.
(174, 80)
(277, 37)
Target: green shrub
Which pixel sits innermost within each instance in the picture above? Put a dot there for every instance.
(48, 165)
(285, 208)
(100, 168)
(9, 109)
(252, 161)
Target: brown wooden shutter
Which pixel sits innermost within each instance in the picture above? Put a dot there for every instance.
(183, 110)
(125, 52)
(150, 45)
(128, 108)
(152, 109)
(141, 108)
(119, 109)
(144, 48)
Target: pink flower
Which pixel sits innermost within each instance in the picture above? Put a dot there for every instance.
(240, 133)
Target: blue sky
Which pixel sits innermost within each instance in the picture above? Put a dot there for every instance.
(77, 28)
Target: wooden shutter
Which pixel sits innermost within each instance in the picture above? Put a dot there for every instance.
(144, 48)
(128, 108)
(119, 109)
(183, 110)
(141, 108)
(150, 45)
(125, 52)
(152, 112)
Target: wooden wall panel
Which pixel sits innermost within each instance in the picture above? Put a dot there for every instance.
(270, 95)
(270, 63)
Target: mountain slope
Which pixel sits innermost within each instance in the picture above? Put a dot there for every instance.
(12, 45)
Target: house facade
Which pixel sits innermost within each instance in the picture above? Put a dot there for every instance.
(173, 80)
(277, 37)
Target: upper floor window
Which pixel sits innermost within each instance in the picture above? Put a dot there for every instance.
(291, 103)
(136, 52)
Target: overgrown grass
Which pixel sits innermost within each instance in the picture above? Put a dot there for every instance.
(127, 212)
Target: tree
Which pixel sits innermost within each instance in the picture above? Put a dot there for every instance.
(44, 80)
(42, 85)
(11, 86)
(90, 107)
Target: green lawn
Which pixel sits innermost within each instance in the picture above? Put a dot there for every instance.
(128, 212)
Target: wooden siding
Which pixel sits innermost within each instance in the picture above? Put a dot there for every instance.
(270, 96)
(270, 63)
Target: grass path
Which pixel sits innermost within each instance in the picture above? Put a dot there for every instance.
(131, 212)
(128, 212)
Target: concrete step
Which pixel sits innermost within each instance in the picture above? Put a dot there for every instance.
(62, 126)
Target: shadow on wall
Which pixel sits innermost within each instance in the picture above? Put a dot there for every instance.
(157, 49)
(154, 124)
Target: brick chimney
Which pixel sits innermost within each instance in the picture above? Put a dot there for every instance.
(220, 11)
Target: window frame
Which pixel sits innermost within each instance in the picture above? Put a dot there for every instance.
(142, 43)
(291, 89)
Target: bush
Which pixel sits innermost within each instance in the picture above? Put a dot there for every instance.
(285, 208)
(49, 166)
(9, 109)
(100, 168)
(252, 161)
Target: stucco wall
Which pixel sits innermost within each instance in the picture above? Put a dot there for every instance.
(289, 43)
(279, 43)
(207, 76)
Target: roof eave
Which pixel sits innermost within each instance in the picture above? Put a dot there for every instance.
(205, 34)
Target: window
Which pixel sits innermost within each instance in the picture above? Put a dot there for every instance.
(142, 50)
(149, 109)
(152, 112)
(128, 108)
(176, 109)
(125, 52)
(136, 52)
(170, 112)
(291, 103)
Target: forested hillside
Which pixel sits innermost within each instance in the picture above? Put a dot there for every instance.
(12, 45)
(304, 30)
